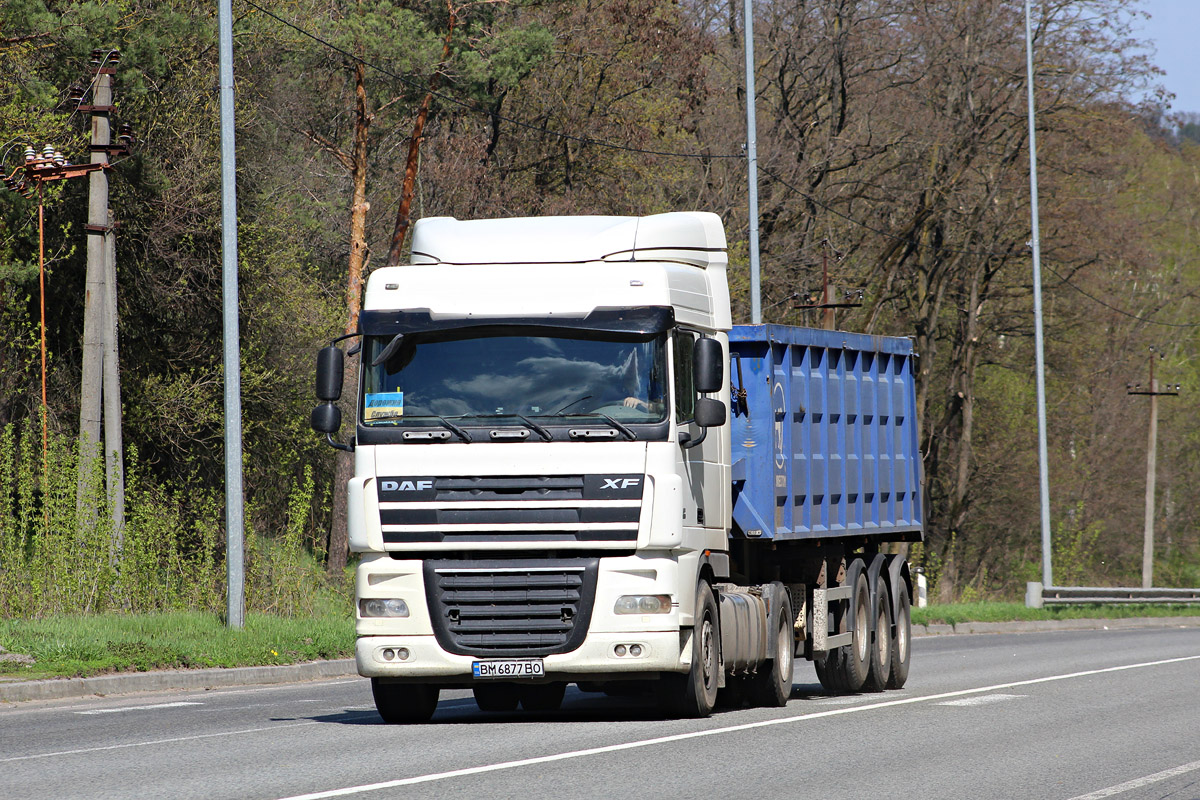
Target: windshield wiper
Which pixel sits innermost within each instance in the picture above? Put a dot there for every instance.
(630, 435)
(541, 431)
(466, 437)
(568, 405)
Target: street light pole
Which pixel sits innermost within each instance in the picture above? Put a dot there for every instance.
(1035, 244)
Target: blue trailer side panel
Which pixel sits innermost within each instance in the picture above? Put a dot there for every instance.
(825, 439)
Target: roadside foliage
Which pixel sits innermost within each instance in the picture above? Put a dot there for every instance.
(893, 147)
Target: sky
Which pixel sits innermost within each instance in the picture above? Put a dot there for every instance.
(1173, 29)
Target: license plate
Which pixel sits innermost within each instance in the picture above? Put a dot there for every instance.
(510, 668)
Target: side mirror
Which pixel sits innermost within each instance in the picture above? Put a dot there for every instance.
(330, 367)
(709, 413)
(708, 365)
(326, 418)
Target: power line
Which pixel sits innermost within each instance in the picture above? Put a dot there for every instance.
(985, 254)
(475, 108)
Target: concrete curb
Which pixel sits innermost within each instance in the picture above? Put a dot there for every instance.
(1047, 625)
(130, 682)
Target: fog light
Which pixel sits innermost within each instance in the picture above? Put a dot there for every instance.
(388, 654)
(635, 650)
(402, 653)
(619, 650)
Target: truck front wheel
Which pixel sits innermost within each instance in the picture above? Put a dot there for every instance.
(404, 702)
(695, 694)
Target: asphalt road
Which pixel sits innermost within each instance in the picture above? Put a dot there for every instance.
(1070, 715)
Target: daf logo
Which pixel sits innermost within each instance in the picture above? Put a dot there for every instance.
(620, 483)
(406, 486)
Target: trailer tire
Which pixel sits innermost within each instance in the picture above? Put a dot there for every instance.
(398, 703)
(901, 641)
(497, 696)
(881, 641)
(695, 693)
(856, 655)
(542, 696)
(772, 686)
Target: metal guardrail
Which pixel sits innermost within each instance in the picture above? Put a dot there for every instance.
(1037, 595)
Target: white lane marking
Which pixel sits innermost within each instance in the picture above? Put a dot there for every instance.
(982, 700)
(1138, 783)
(680, 737)
(141, 708)
(155, 741)
(50, 706)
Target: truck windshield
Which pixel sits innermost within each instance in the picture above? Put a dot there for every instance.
(461, 374)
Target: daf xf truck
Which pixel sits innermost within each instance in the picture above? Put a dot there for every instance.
(572, 468)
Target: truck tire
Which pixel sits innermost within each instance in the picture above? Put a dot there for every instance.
(856, 655)
(901, 641)
(496, 696)
(695, 694)
(772, 686)
(398, 703)
(542, 696)
(881, 640)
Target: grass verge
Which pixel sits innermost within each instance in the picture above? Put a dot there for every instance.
(82, 646)
(953, 614)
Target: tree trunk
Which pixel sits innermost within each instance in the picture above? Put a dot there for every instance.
(414, 151)
(339, 534)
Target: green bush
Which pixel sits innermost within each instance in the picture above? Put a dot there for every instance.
(61, 553)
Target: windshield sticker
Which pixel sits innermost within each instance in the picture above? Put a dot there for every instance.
(383, 405)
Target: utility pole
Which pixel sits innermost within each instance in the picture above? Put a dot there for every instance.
(1151, 463)
(114, 442)
(94, 309)
(826, 301)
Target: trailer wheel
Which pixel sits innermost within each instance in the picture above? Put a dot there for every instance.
(496, 696)
(856, 655)
(695, 694)
(881, 644)
(773, 684)
(542, 696)
(901, 641)
(404, 702)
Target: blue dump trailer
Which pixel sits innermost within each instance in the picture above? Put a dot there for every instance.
(570, 467)
(826, 476)
(824, 436)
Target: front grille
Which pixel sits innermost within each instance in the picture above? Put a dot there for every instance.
(510, 607)
(522, 508)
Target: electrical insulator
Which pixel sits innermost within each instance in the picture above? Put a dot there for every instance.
(30, 155)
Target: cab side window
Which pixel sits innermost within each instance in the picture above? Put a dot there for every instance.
(685, 386)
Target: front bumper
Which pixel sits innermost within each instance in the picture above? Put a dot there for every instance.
(596, 659)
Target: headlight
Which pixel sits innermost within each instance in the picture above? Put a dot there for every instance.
(382, 607)
(643, 604)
